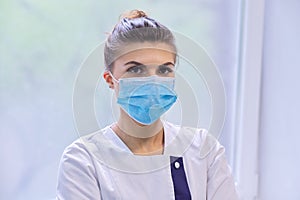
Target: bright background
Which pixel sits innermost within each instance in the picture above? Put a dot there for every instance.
(255, 45)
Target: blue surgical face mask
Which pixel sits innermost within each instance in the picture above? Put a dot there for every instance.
(145, 99)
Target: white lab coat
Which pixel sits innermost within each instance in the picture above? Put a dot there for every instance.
(100, 166)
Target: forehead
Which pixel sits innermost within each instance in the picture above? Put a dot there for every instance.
(147, 53)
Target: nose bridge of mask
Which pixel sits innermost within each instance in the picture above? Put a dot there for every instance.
(145, 79)
(158, 85)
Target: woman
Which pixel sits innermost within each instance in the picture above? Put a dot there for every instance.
(141, 156)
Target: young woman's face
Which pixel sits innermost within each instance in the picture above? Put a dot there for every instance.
(146, 60)
(156, 59)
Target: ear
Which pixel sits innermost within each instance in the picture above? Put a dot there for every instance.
(109, 80)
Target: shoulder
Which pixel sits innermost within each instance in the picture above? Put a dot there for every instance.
(84, 145)
(178, 130)
(77, 167)
(196, 140)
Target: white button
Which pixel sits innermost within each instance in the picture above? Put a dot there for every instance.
(177, 165)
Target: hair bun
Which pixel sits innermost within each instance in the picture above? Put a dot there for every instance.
(134, 14)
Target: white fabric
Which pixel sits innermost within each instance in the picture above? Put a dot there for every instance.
(100, 166)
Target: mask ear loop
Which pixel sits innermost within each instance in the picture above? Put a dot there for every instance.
(113, 77)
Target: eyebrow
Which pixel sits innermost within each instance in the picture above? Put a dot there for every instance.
(137, 63)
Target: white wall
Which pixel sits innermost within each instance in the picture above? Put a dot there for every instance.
(268, 101)
(279, 154)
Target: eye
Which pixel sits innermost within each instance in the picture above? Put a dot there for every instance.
(138, 69)
(165, 70)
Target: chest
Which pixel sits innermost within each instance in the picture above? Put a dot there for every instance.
(157, 182)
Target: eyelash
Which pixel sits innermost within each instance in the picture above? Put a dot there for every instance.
(165, 69)
(131, 69)
(169, 70)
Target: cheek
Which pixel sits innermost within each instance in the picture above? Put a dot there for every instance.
(116, 89)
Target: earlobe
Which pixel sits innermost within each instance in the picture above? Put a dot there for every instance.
(108, 79)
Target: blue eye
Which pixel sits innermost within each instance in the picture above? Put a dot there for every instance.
(139, 69)
(165, 70)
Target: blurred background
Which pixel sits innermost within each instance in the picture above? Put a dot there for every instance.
(255, 45)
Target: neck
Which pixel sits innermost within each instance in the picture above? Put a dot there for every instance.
(140, 139)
